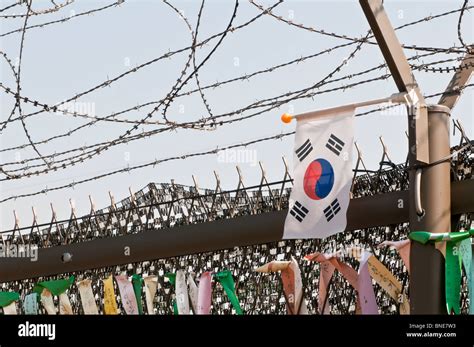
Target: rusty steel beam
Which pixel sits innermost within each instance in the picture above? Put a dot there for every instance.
(378, 210)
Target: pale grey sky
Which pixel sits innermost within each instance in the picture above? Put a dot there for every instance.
(64, 59)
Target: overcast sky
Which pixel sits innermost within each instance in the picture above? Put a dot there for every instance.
(61, 60)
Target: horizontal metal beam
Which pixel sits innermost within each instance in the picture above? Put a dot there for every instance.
(366, 212)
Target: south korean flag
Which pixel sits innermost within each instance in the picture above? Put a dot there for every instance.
(322, 175)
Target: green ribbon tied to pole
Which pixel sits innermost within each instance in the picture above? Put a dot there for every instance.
(465, 248)
(171, 276)
(56, 287)
(137, 282)
(458, 252)
(6, 298)
(226, 280)
(453, 277)
(424, 237)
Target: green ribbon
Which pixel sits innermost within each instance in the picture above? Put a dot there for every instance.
(424, 237)
(471, 288)
(56, 287)
(175, 308)
(137, 282)
(6, 298)
(226, 280)
(171, 276)
(465, 248)
(453, 277)
(458, 252)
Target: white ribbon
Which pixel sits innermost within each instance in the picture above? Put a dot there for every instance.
(87, 297)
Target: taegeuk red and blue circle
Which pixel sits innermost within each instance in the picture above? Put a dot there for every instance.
(318, 179)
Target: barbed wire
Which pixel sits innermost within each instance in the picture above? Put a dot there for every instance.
(31, 12)
(74, 159)
(463, 9)
(18, 84)
(148, 164)
(354, 39)
(109, 82)
(456, 90)
(169, 100)
(246, 77)
(167, 55)
(113, 142)
(9, 6)
(15, 105)
(190, 71)
(147, 134)
(270, 107)
(447, 69)
(80, 158)
(153, 132)
(53, 108)
(194, 35)
(190, 155)
(166, 101)
(65, 19)
(210, 121)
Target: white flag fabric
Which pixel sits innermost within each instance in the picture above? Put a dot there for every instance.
(151, 284)
(47, 301)
(10, 309)
(64, 304)
(322, 176)
(87, 297)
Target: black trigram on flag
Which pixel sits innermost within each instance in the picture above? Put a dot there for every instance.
(299, 211)
(332, 210)
(305, 149)
(335, 144)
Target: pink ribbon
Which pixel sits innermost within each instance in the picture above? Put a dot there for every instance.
(368, 303)
(326, 271)
(204, 294)
(293, 287)
(292, 284)
(331, 262)
(129, 302)
(348, 272)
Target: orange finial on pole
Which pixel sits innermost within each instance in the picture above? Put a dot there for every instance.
(286, 118)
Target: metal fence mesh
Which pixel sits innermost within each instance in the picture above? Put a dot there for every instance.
(162, 206)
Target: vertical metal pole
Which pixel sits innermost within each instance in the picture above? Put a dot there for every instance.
(427, 292)
(428, 142)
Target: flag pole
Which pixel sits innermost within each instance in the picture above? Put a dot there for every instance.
(397, 98)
